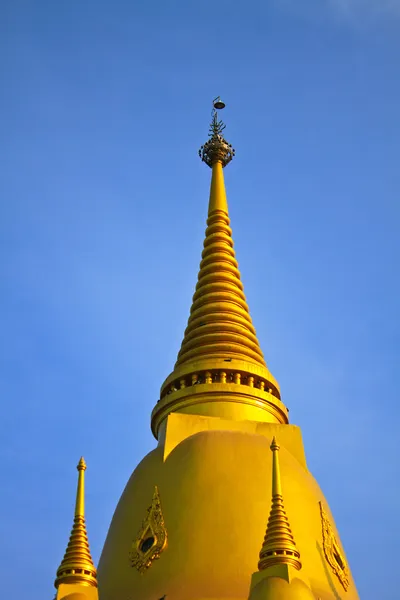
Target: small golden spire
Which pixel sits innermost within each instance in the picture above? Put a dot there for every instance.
(77, 565)
(279, 546)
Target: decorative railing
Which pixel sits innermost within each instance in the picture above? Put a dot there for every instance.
(220, 376)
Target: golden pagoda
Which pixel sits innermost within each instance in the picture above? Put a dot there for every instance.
(191, 521)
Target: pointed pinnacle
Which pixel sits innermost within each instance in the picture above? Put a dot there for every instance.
(274, 444)
(77, 565)
(81, 464)
(279, 546)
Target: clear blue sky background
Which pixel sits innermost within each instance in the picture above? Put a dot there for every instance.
(103, 204)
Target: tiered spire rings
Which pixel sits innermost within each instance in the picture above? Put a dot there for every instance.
(279, 546)
(77, 565)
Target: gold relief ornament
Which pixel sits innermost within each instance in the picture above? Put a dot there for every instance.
(332, 551)
(152, 537)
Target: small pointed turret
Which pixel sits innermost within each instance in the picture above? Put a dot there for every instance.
(279, 546)
(220, 344)
(77, 565)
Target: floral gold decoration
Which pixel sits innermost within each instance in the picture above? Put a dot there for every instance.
(152, 537)
(332, 551)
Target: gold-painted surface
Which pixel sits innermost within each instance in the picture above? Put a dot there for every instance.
(279, 546)
(213, 476)
(77, 591)
(282, 583)
(153, 528)
(77, 565)
(332, 551)
(183, 425)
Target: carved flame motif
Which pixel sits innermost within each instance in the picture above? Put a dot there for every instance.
(152, 537)
(332, 551)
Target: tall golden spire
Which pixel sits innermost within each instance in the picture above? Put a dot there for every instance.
(220, 345)
(77, 565)
(279, 546)
(219, 321)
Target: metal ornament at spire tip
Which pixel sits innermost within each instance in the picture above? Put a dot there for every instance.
(216, 149)
(218, 104)
(81, 464)
(274, 444)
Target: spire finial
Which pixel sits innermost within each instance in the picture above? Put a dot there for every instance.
(274, 445)
(279, 546)
(77, 565)
(216, 149)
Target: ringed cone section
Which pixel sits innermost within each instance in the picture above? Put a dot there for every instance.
(77, 565)
(219, 325)
(279, 546)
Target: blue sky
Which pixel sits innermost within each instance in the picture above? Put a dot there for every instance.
(103, 205)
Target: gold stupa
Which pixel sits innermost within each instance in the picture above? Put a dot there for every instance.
(191, 521)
